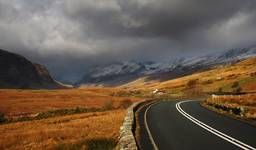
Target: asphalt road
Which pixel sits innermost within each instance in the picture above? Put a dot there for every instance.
(176, 125)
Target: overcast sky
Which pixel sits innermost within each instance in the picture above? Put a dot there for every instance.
(70, 36)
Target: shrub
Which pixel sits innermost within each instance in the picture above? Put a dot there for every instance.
(253, 74)
(236, 89)
(193, 89)
(235, 84)
(208, 82)
(2, 118)
(231, 75)
(192, 83)
(220, 90)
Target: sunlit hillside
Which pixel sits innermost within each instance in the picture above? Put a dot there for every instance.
(218, 79)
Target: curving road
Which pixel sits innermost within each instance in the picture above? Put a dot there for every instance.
(185, 125)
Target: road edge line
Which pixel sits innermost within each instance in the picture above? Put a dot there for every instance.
(147, 128)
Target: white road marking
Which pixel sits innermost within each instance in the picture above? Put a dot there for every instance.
(212, 130)
(147, 128)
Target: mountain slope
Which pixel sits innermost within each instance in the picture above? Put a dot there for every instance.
(18, 72)
(115, 74)
(221, 79)
(122, 73)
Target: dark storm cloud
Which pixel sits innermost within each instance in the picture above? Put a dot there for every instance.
(70, 36)
(162, 18)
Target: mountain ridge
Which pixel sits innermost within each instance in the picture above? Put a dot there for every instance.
(121, 73)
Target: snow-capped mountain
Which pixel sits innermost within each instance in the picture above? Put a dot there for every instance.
(227, 57)
(118, 73)
(124, 72)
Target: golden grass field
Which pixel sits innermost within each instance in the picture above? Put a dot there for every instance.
(15, 103)
(91, 130)
(66, 132)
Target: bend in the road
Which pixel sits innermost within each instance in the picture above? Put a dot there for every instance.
(212, 130)
(157, 129)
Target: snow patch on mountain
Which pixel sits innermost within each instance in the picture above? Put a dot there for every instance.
(134, 69)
